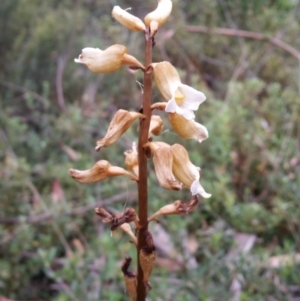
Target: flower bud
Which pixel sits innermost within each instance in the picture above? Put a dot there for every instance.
(130, 279)
(131, 159)
(188, 129)
(156, 125)
(100, 171)
(128, 20)
(108, 60)
(178, 207)
(186, 172)
(118, 126)
(163, 162)
(160, 15)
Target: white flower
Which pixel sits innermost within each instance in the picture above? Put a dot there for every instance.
(182, 99)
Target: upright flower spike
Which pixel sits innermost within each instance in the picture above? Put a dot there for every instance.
(108, 60)
(131, 159)
(159, 16)
(128, 20)
(100, 171)
(147, 259)
(130, 279)
(186, 172)
(163, 162)
(118, 126)
(182, 99)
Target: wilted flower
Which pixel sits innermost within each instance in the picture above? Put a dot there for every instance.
(130, 279)
(186, 172)
(182, 99)
(163, 162)
(128, 20)
(178, 207)
(147, 259)
(108, 60)
(159, 16)
(100, 171)
(127, 229)
(118, 125)
(131, 159)
(156, 125)
(119, 221)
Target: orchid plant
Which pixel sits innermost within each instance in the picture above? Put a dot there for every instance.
(172, 164)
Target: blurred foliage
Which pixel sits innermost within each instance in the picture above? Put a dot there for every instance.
(53, 111)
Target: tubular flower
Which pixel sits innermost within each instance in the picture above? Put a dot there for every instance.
(188, 129)
(147, 259)
(163, 162)
(118, 126)
(130, 279)
(182, 99)
(178, 207)
(108, 60)
(100, 171)
(159, 16)
(131, 159)
(128, 20)
(186, 172)
(156, 125)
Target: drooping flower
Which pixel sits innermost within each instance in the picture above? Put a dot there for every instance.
(163, 162)
(188, 129)
(128, 20)
(159, 16)
(100, 171)
(118, 126)
(147, 259)
(182, 99)
(130, 279)
(178, 207)
(186, 172)
(156, 125)
(131, 159)
(108, 60)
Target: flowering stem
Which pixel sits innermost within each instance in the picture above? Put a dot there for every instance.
(143, 173)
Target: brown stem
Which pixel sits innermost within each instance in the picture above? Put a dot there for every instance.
(143, 173)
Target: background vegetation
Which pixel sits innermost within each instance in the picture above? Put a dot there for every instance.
(242, 244)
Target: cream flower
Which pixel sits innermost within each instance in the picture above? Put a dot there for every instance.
(131, 159)
(163, 162)
(182, 99)
(188, 129)
(186, 172)
(159, 16)
(100, 171)
(128, 20)
(108, 60)
(156, 125)
(118, 126)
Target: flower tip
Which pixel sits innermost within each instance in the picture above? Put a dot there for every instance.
(196, 188)
(171, 106)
